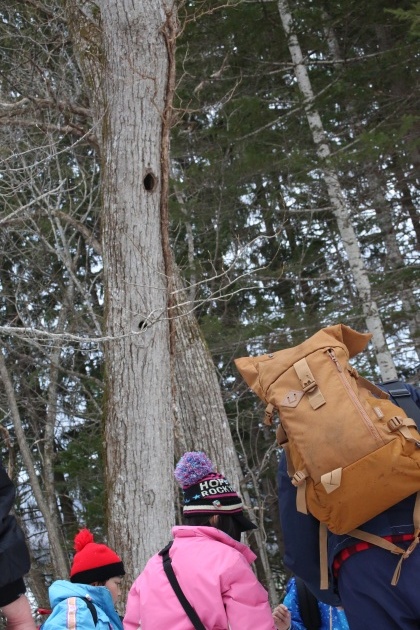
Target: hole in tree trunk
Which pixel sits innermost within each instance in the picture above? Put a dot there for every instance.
(149, 182)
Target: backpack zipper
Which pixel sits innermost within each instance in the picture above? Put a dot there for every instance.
(368, 422)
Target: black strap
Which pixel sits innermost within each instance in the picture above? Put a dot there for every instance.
(167, 566)
(308, 606)
(403, 398)
(92, 608)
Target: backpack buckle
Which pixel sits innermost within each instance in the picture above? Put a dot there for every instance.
(309, 386)
(395, 423)
(299, 477)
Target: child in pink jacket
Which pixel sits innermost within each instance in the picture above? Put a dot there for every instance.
(212, 566)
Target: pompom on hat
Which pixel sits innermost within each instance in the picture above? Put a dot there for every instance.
(93, 562)
(206, 491)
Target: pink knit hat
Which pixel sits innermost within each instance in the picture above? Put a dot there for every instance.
(206, 491)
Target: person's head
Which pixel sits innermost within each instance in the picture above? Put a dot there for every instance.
(209, 499)
(96, 564)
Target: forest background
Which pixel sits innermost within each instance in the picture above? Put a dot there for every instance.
(182, 184)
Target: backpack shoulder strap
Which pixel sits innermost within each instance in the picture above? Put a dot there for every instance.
(308, 606)
(402, 396)
(167, 567)
(92, 608)
(71, 612)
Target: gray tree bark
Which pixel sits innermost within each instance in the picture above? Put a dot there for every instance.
(126, 53)
(201, 422)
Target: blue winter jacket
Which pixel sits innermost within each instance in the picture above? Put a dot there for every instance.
(301, 531)
(332, 618)
(65, 595)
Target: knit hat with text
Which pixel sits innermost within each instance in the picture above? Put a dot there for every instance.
(93, 562)
(206, 491)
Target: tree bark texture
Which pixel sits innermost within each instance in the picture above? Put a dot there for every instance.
(200, 417)
(130, 79)
(138, 431)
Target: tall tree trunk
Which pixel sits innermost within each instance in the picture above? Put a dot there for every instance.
(201, 421)
(376, 186)
(126, 54)
(130, 106)
(338, 202)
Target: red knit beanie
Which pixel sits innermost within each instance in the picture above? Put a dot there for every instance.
(93, 562)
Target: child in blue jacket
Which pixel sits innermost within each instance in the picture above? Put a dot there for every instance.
(288, 615)
(88, 600)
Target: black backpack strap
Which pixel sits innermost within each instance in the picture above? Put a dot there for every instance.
(308, 606)
(92, 608)
(167, 566)
(402, 396)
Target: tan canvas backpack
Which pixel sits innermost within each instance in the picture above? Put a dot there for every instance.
(352, 453)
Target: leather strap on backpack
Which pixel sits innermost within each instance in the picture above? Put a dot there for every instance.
(373, 539)
(389, 546)
(309, 384)
(323, 556)
(397, 423)
(298, 479)
(374, 389)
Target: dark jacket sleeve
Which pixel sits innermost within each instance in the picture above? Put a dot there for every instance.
(415, 393)
(301, 538)
(7, 495)
(14, 555)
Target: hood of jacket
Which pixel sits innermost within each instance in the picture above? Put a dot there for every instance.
(63, 589)
(186, 531)
(100, 596)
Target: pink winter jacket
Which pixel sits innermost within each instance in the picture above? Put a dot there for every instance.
(214, 573)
